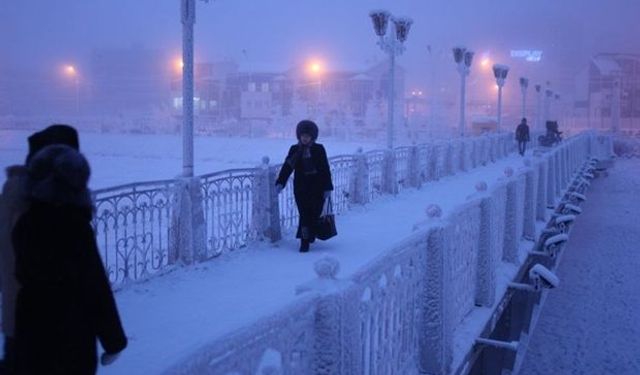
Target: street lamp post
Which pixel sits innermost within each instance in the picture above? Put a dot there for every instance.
(463, 58)
(500, 73)
(524, 84)
(188, 18)
(547, 104)
(393, 46)
(538, 88)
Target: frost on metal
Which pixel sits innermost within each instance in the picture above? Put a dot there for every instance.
(389, 175)
(448, 159)
(415, 176)
(530, 197)
(283, 342)
(541, 201)
(187, 233)
(359, 180)
(463, 231)
(511, 234)
(436, 333)
(551, 182)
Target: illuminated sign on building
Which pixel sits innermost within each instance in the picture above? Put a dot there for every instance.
(528, 55)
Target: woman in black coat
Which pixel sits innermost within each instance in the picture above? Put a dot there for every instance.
(65, 302)
(311, 181)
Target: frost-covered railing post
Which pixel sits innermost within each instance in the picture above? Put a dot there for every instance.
(414, 175)
(436, 334)
(530, 197)
(465, 154)
(448, 159)
(359, 180)
(558, 176)
(265, 203)
(389, 176)
(329, 341)
(492, 206)
(188, 231)
(541, 201)
(513, 216)
(551, 181)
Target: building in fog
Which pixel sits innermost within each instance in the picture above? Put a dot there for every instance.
(610, 78)
(262, 94)
(130, 80)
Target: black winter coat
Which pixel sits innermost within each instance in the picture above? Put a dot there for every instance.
(308, 189)
(522, 133)
(65, 302)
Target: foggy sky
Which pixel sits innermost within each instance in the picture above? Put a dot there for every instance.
(42, 33)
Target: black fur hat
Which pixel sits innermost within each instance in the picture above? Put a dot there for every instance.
(54, 134)
(307, 127)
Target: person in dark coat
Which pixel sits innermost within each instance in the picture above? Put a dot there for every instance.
(13, 204)
(311, 182)
(65, 301)
(522, 136)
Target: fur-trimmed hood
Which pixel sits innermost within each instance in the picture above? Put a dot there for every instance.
(58, 175)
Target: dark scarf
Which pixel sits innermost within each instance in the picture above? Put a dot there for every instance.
(303, 155)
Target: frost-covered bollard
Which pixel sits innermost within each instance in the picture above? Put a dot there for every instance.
(326, 269)
(481, 186)
(434, 211)
(508, 171)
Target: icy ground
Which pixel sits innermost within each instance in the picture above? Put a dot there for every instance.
(118, 159)
(591, 324)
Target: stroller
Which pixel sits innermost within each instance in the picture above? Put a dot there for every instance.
(552, 137)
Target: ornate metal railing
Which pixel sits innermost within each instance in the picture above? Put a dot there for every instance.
(375, 161)
(227, 199)
(287, 205)
(132, 226)
(402, 165)
(388, 293)
(341, 173)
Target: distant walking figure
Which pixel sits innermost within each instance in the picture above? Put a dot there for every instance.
(311, 182)
(65, 303)
(522, 136)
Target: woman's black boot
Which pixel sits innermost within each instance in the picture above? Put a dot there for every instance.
(304, 246)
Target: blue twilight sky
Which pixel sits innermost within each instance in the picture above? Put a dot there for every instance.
(39, 33)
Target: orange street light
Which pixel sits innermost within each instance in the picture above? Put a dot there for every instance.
(70, 70)
(315, 67)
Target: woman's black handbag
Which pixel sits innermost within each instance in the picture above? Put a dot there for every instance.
(326, 227)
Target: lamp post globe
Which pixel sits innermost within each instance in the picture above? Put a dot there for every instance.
(463, 59)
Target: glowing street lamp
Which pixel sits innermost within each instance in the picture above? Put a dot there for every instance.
(393, 45)
(463, 58)
(500, 73)
(524, 84)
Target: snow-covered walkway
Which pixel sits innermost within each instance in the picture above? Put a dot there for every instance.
(169, 317)
(591, 324)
